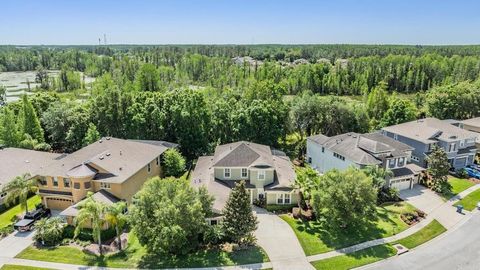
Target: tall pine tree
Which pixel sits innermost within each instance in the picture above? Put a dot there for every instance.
(438, 167)
(239, 223)
(9, 133)
(30, 123)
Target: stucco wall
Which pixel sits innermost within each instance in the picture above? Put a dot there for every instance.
(325, 161)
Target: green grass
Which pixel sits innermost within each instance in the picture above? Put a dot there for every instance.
(21, 267)
(427, 233)
(316, 238)
(135, 256)
(356, 259)
(8, 216)
(458, 185)
(470, 201)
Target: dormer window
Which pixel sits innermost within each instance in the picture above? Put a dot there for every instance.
(226, 173)
(55, 181)
(66, 182)
(395, 137)
(261, 175)
(104, 185)
(452, 147)
(391, 163)
(401, 162)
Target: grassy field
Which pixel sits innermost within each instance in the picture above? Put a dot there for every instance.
(427, 233)
(470, 201)
(135, 256)
(356, 259)
(381, 252)
(21, 267)
(316, 238)
(8, 216)
(458, 185)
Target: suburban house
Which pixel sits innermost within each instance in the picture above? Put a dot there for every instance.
(112, 169)
(16, 162)
(361, 150)
(473, 125)
(424, 134)
(268, 173)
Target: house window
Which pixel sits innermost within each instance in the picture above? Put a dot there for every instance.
(339, 156)
(414, 158)
(104, 185)
(76, 185)
(158, 161)
(451, 147)
(226, 173)
(43, 181)
(391, 163)
(323, 149)
(87, 185)
(261, 175)
(287, 198)
(213, 222)
(309, 160)
(149, 167)
(462, 143)
(280, 199)
(66, 182)
(401, 162)
(395, 137)
(55, 181)
(244, 172)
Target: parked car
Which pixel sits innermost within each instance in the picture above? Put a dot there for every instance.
(26, 224)
(474, 166)
(473, 173)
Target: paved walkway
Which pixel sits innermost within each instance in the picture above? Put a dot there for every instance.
(445, 214)
(280, 242)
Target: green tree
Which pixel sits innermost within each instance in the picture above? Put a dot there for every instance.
(115, 216)
(345, 198)
(379, 175)
(438, 167)
(306, 182)
(239, 222)
(9, 132)
(377, 101)
(20, 188)
(92, 135)
(173, 163)
(168, 216)
(91, 213)
(400, 111)
(49, 231)
(147, 78)
(30, 124)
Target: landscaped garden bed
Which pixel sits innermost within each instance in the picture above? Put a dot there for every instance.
(316, 237)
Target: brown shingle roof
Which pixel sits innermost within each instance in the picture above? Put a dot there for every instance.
(242, 154)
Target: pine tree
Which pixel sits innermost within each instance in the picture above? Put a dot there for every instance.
(438, 167)
(9, 135)
(92, 135)
(239, 223)
(31, 123)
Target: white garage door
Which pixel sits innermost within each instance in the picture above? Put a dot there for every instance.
(400, 184)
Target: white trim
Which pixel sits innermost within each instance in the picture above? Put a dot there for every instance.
(225, 172)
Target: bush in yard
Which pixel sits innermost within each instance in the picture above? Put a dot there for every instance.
(49, 231)
(86, 234)
(344, 198)
(462, 173)
(168, 216)
(239, 223)
(6, 230)
(214, 235)
(173, 163)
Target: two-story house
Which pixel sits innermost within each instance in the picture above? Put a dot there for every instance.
(17, 162)
(113, 169)
(361, 150)
(268, 173)
(473, 125)
(424, 134)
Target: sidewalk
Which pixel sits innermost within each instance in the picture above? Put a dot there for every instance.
(445, 214)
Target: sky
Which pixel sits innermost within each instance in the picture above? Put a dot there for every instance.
(68, 22)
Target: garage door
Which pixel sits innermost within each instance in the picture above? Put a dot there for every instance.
(400, 184)
(460, 162)
(58, 203)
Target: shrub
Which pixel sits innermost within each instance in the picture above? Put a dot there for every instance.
(214, 235)
(49, 231)
(388, 195)
(173, 163)
(86, 234)
(462, 173)
(6, 230)
(278, 208)
(260, 202)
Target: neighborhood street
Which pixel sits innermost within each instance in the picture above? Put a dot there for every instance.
(459, 249)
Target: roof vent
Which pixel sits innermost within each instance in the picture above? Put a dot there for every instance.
(120, 152)
(101, 158)
(107, 154)
(120, 168)
(453, 137)
(100, 141)
(108, 138)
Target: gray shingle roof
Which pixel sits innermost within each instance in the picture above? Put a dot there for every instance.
(242, 154)
(102, 196)
(474, 122)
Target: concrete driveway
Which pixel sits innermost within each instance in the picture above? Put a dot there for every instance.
(422, 198)
(13, 244)
(280, 242)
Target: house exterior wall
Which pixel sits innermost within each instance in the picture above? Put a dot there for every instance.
(269, 176)
(419, 148)
(235, 173)
(252, 175)
(272, 197)
(325, 161)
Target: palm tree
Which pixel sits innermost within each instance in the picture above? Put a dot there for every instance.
(378, 175)
(20, 187)
(115, 216)
(48, 230)
(306, 181)
(91, 213)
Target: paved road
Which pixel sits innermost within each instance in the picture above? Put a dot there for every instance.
(457, 250)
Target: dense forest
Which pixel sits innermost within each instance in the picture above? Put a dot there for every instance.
(200, 96)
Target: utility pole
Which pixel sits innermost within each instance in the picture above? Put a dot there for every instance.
(99, 41)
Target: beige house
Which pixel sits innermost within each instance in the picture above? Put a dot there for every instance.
(268, 173)
(113, 169)
(16, 162)
(473, 125)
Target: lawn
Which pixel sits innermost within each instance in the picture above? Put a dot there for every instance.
(470, 201)
(135, 256)
(316, 238)
(21, 267)
(356, 259)
(8, 216)
(427, 233)
(458, 185)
